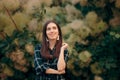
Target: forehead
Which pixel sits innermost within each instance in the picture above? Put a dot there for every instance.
(51, 25)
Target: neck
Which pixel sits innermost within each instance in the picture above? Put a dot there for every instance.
(52, 43)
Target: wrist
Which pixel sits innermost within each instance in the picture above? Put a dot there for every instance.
(62, 48)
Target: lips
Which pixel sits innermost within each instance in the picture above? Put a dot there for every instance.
(52, 36)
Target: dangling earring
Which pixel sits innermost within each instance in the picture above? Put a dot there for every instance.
(47, 40)
(58, 37)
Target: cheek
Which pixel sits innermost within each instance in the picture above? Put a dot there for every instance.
(57, 32)
(47, 33)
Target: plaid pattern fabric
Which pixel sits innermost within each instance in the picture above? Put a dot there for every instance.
(42, 64)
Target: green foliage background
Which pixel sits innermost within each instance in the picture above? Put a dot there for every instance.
(90, 27)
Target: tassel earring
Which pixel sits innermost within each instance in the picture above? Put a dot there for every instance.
(58, 37)
(47, 40)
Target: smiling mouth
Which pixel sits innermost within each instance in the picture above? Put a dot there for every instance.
(52, 34)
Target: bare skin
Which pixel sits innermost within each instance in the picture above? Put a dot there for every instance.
(61, 62)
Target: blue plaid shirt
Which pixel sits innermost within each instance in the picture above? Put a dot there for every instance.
(42, 64)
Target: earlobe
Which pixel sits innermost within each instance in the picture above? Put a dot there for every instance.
(47, 40)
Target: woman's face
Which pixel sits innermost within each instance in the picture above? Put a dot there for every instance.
(52, 31)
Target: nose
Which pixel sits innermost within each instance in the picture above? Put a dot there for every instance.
(51, 30)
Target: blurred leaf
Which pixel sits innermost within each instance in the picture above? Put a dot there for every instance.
(5, 60)
(31, 39)
(3, 44)
(60, 18)
(22, 42)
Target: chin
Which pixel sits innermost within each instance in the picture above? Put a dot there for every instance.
(53, 39)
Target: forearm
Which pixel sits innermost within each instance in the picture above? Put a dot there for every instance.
(53, 71)
(61, 62)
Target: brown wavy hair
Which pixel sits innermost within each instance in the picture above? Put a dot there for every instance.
(45, 44)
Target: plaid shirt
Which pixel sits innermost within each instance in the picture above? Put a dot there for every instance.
(42, 64)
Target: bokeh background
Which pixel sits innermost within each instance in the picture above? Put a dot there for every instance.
(90, 27)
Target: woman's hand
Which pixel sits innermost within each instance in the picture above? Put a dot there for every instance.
(64, 46)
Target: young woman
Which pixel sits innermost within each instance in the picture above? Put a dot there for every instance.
(51, 56)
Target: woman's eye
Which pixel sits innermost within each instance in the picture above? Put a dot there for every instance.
(54, 27)
(48, 28)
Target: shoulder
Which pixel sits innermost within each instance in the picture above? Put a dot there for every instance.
(37, 50)
(37, 46)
